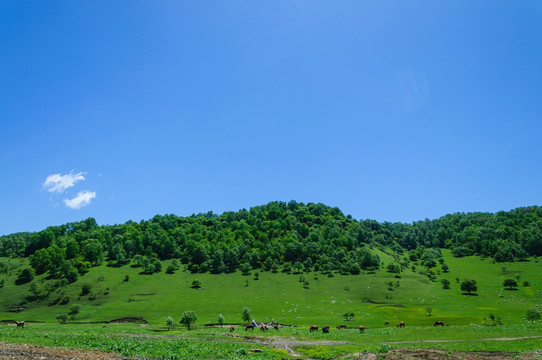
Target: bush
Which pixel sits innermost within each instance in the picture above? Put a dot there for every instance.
(196, 284)
(85, 290)
(26, 275)
(74, 309)
(62, 318)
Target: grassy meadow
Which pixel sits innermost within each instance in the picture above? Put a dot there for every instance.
(284, 298)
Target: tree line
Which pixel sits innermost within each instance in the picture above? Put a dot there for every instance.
(274, 237)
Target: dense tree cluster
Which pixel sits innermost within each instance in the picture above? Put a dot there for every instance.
(277, 236)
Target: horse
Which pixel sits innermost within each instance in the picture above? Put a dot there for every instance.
(342, 326)
(387, 323)
(401, 324)
(325, 329)
(264, 328)
(313, 328)
(438, 323)
(361, 328)
(20, 324)
(249, 326)
(276, 327)
(232, 328)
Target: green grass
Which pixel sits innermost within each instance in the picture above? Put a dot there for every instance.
(133, 340)
(282, 297)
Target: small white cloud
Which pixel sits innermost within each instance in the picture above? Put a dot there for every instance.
(82, 199)
(58, 183)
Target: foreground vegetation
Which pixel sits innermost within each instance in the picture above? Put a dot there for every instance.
(219, 343)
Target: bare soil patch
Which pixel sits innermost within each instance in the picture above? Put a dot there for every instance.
(24, 351)
(434, 354)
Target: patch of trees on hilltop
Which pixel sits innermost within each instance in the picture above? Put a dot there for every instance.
(272, 237)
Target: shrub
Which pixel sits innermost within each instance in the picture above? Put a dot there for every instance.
(26, 275)
(85, 290)
(221, 319)
(62, 318)
(532, 315)
(246, 315)
(74, 309)
(196, 284)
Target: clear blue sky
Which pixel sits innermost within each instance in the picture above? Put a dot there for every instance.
(389, 110)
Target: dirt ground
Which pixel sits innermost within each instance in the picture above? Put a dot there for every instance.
(434, 354)
(23, 351)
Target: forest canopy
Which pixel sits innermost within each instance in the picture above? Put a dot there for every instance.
(274, 237)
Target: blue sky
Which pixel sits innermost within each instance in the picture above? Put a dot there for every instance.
(389, 110)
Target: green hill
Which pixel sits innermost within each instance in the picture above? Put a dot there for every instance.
(287, 262)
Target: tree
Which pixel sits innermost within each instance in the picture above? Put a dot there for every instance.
(196, 284)
(532, 315)
(469, 286)
(221, 320)
(62, 318)
(169, 322)
(510, 283)
(189, 317)
(444, 267)
(445, 283)
(428, 310)
(246, 315)
(26, 275)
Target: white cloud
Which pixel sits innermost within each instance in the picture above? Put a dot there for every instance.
(82, 199)
(58, 183)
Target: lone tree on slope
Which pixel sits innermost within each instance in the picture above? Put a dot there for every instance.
(469, 286)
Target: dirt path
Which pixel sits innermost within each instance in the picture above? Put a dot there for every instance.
(463, 340)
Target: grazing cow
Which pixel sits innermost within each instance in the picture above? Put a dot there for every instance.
(362, 329)
(264, 328)
(401, 324)
(249, 326)
(438, 323)
(276, 327)
(325, 329)
(232, 329)
(313, 328)
(342, 326)
(20, 324)
(387, 323)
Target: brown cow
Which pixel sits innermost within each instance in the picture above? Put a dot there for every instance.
(313, 328)
(362, 329)
(232, 328)
(20, 324)
(264, 328)
(276, 327)
(342, 326)
(438, 323)
(325, 329)
(249, 326)
(401, 324)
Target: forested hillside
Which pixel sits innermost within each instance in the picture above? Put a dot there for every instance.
(274, 237)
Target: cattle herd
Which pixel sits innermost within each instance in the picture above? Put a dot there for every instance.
(265, 327)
